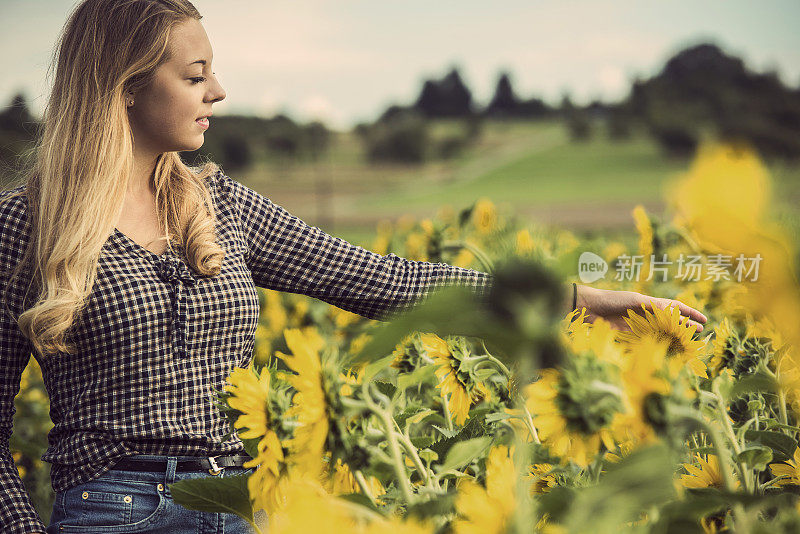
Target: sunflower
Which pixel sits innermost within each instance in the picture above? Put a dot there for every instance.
(708, 475)
(763, 328)
(644, 385)
(417, 246)
(267, 485)
(572, 420)
(790, 470)
(488, 510)
(484, 216)
(597, 339)
(309, 508)
(724, 337)
(406, 354)
(452, 389)
(542, 478)
(309, 406)
(614, 250)
(524, 243)
(464, 258)
(302, 495)
(250, 394)
(344, 481)
(574, 322)
(665, 325)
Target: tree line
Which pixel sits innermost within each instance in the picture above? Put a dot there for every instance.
(701, 91)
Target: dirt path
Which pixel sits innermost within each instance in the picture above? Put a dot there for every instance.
(613, 215)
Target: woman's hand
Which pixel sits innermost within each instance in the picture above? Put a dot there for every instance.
(614, 305)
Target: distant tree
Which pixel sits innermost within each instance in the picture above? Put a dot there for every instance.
(566, 107)
(236, 153)
(395, 111)
(362, 130)
(504, 103)
(318, 139)
(16, 118)
(18, 131)
(533, 108)
(448, 97)
(702, 90)
(619, 123)
(576, 119)
(579, 125)
(404, 139)
(283, 136)
(597, 109)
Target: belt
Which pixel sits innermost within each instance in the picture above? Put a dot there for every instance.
(212, 464)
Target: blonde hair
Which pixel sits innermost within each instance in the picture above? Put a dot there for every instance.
(83, 159)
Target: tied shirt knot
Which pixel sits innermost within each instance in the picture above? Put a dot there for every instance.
(172, 269)
(174, 272)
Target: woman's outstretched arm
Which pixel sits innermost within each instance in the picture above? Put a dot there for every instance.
(286, 254)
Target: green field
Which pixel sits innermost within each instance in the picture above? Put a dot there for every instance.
(528, 168)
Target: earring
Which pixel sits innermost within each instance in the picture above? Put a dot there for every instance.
(130, 102)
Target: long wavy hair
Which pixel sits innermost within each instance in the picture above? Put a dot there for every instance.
(79, 170)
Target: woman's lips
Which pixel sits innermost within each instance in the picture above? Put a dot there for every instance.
(203, 123)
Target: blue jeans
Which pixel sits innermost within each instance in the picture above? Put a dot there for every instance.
(135, 502)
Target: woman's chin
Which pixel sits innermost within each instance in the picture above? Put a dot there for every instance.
(191, 147)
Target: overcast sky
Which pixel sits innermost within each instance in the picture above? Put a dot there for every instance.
(344, 61)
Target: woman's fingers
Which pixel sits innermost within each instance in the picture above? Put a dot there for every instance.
(683, 320)
(694, 317)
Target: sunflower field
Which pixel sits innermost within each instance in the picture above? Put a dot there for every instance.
(494, 414)
(497, 414)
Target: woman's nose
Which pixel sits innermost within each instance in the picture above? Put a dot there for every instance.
(219, 93)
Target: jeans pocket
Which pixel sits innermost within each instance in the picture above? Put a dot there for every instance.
(119, 506)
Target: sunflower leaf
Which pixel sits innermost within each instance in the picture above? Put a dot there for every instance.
(756, 457)
(464, 452)
(758, 382)
(782, 446)
(227, 494)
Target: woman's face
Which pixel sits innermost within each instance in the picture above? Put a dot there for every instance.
(165, 114)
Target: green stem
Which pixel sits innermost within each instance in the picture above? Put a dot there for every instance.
(479, 254)
(447, 413)
(782, 406)
(726, 425)
(412, 451)
(529, 422)
(397, 458)
(495, 361)
(362, 483)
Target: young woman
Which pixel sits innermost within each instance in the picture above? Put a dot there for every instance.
(142, 272)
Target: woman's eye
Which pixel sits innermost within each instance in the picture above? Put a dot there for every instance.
(198, 79)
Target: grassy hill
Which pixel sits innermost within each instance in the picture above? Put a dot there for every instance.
(528, 168)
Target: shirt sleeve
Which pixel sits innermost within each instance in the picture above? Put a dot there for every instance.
(286, 254)
(17, 514)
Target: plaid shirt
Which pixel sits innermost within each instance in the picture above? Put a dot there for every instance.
(155, 339)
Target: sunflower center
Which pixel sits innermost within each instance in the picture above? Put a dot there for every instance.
(676, 345)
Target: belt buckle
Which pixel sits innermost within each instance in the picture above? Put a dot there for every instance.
(215, 468)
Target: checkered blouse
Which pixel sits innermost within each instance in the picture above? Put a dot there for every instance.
(155, 339)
